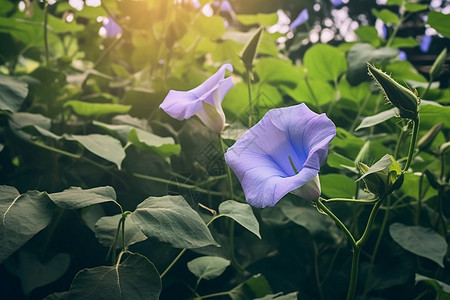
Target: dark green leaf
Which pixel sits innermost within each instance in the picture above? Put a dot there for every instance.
(171, 220)
(34, 273)
(432, 114)
(307, 217)
(5, 6)
(276, 71)
(12, 93)
(104, 146)
(96, 109)
(241, 213)
(256, 286)
(324, 62)
(76, 197)
(336, 185)
(249, 52)
(360, 54)
(369, 34)
(407, 42)
(22, 216)
(20, 120)
(439, 21)
(163, 146)
(134, 278)
(386, 16)
(208, 267)
(385, 163)
(105, 230)
(378, 118)
(420, 241)
(280, 296)
(436, 283)
(415, 7)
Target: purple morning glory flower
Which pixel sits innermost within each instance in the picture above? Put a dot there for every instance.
(204, 101)
(384, 31)
(336, 2)
(301, 18)
(425, 43)
(112, 28)
(402, 55)
(224, 5)
(282, 153)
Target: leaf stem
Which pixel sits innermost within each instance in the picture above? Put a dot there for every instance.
(173, 263)
(229, 178)
(234, 261)
(377, 245)
(412, 145)
(319, 109)
(338, 222)
(46, 31)
(316, 269)
(179, 184)
(361, 201)
(250, 104)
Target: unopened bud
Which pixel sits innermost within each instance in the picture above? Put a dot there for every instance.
(444, 147)
(375, 182)
(438, 65)
(383, 177)
(404, 99)
(429, 137)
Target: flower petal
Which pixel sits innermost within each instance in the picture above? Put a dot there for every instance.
(301, 18)
(182, 105)
(261, 157)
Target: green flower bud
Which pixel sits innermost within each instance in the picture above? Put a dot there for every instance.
(375, 182)
(438, 65)
(404, 99)
(383, 177)
(249, 52)
(429, 137)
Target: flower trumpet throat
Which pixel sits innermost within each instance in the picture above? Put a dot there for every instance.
(282, 153)
(404, 99)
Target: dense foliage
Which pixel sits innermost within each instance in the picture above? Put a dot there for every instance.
(105, 196)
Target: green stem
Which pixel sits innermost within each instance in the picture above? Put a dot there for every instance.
(400, 141)
(250, 104)
(338, 222)
(377, 245)
(360, 110)
(412, 145)
(397, 27)
(234, 261)
(319, 109)
(179, 184)
(56, 150)
(361, 201)
(183, 250)
(172, 263)
(357, 251)
(427, 89)
(354, 273)
(419, 199)
(369, 225)
(229, 178)
(107, 51)
(214, 295)
(330, 108)
(112, 249)
(46, 32)
(316, 269)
